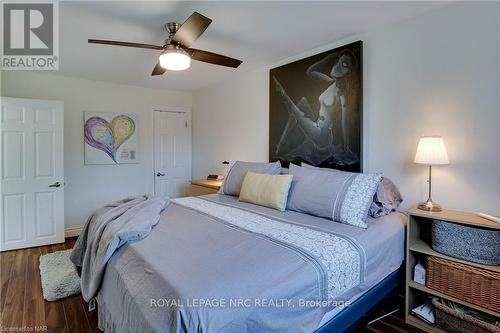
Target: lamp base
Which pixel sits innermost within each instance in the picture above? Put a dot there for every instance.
(430, 206)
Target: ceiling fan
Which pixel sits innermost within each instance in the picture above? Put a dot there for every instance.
(177, 53)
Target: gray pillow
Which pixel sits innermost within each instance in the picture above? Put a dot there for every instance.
(284, 171)
(238, 170)
(341, 196)
(386, 199)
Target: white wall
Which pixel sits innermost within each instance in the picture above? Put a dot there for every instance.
(437, 74)
(91, 186)
(230, 122)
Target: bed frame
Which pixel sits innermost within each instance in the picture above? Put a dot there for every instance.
(352, 315)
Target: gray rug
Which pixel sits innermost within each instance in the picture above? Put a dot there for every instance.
(58, 275)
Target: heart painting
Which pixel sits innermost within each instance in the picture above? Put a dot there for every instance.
(107, 132)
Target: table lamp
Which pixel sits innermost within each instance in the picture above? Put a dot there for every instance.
(431, 151)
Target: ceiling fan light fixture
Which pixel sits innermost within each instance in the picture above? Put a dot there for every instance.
(176, 52)
(175, 58)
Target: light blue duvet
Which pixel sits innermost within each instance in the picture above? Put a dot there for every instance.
(213, 264)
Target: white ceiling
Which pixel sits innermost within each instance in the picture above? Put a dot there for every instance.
(258, 33)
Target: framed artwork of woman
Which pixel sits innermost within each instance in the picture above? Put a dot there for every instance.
(316, 110)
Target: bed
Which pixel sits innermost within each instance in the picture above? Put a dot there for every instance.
(197, 271)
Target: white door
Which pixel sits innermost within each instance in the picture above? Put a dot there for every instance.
(32, 192)
(172, 153)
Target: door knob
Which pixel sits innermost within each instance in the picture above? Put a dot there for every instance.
(56, 184)
(159, 174)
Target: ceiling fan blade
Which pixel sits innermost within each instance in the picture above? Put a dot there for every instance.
(158, 70)
(191, 29)
(214, 58)
(129, 44)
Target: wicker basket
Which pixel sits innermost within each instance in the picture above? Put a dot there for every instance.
(452, 321)
(467, 283)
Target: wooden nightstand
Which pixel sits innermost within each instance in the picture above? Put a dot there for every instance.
(418, 247)
(204, 186)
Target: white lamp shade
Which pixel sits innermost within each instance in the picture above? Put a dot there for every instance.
(431, 151)
(175, 60)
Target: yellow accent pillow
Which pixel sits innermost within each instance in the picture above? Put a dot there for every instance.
(266, 190)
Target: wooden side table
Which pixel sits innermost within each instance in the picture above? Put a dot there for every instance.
(418, 247)
(204, 186)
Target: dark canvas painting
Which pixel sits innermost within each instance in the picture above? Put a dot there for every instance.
(316, 110)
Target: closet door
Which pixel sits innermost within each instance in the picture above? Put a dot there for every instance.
(172, 153)
(32, 175)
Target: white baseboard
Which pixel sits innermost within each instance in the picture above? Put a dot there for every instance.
(73, 231)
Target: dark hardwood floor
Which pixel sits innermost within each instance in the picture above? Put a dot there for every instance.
(23, 308)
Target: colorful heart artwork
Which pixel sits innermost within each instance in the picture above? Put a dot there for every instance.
(109, 136)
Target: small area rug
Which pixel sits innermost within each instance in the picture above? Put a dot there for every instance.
(58, 275)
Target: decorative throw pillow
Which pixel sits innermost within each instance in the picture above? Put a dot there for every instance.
(266, 190)
(386, 199)
(234, 178)
(341, 196)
